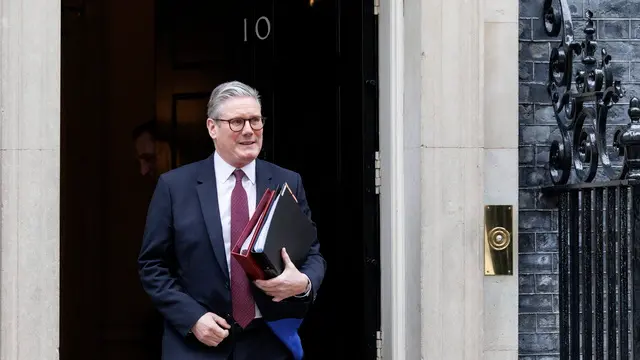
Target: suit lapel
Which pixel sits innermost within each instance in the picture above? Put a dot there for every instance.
(264, 179)
(208, 196)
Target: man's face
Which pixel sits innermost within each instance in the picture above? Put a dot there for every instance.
(146, 153)
(238, 148)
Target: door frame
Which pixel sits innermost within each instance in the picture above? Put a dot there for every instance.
(393, 280)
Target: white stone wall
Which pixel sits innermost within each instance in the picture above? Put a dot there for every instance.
(501, 167)
(449, 135)
(29, 179)
(452, 181)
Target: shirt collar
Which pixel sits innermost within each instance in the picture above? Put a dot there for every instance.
(224, 171)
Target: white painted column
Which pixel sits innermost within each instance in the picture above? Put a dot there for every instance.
(432, 196)
(449, 146)
(501, 168)
(29, 179)
(453, 170)
(400, 323)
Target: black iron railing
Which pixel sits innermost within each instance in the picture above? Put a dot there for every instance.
(597, 263)
(597, 188)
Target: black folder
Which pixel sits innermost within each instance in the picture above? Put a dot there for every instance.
(288, 227)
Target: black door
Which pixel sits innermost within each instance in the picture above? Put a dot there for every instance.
(315, 65)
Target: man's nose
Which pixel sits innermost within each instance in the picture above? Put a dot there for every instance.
(144, 168)
(246, 129)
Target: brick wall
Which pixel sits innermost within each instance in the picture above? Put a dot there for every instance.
(618, 30)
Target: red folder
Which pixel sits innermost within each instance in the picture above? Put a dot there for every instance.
(244, 258)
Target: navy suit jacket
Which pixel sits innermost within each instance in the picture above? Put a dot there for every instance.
(182, 261)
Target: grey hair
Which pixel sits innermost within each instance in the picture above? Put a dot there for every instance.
(226, 91)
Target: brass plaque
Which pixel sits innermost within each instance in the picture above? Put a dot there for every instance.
(498, 240)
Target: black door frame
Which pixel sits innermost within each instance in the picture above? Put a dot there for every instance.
(371, 224)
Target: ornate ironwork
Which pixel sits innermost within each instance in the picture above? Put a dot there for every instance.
(581, 103)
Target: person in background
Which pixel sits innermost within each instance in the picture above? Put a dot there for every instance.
(152, 152)
(211, 309)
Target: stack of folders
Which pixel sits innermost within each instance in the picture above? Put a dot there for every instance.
(278, 222)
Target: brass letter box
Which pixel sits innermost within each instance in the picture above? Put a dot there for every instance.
(498, 240)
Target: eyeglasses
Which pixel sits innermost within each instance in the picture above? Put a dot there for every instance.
(237, 124)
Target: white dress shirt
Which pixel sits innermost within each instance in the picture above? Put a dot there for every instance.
(225, 182)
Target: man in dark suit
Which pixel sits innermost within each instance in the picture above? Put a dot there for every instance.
(211, 309)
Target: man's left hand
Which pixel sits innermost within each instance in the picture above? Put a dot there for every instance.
(290, 283)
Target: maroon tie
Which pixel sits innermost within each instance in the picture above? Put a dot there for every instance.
(242, 301)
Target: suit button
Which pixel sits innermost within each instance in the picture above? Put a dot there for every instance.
(226, 284)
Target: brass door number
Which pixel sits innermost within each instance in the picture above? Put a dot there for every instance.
(498, 240)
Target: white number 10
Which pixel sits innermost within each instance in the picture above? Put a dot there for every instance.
(258, 33)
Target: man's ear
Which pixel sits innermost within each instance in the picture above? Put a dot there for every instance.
(211, 127)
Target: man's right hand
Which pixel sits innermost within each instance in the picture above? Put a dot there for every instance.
(211, 329)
